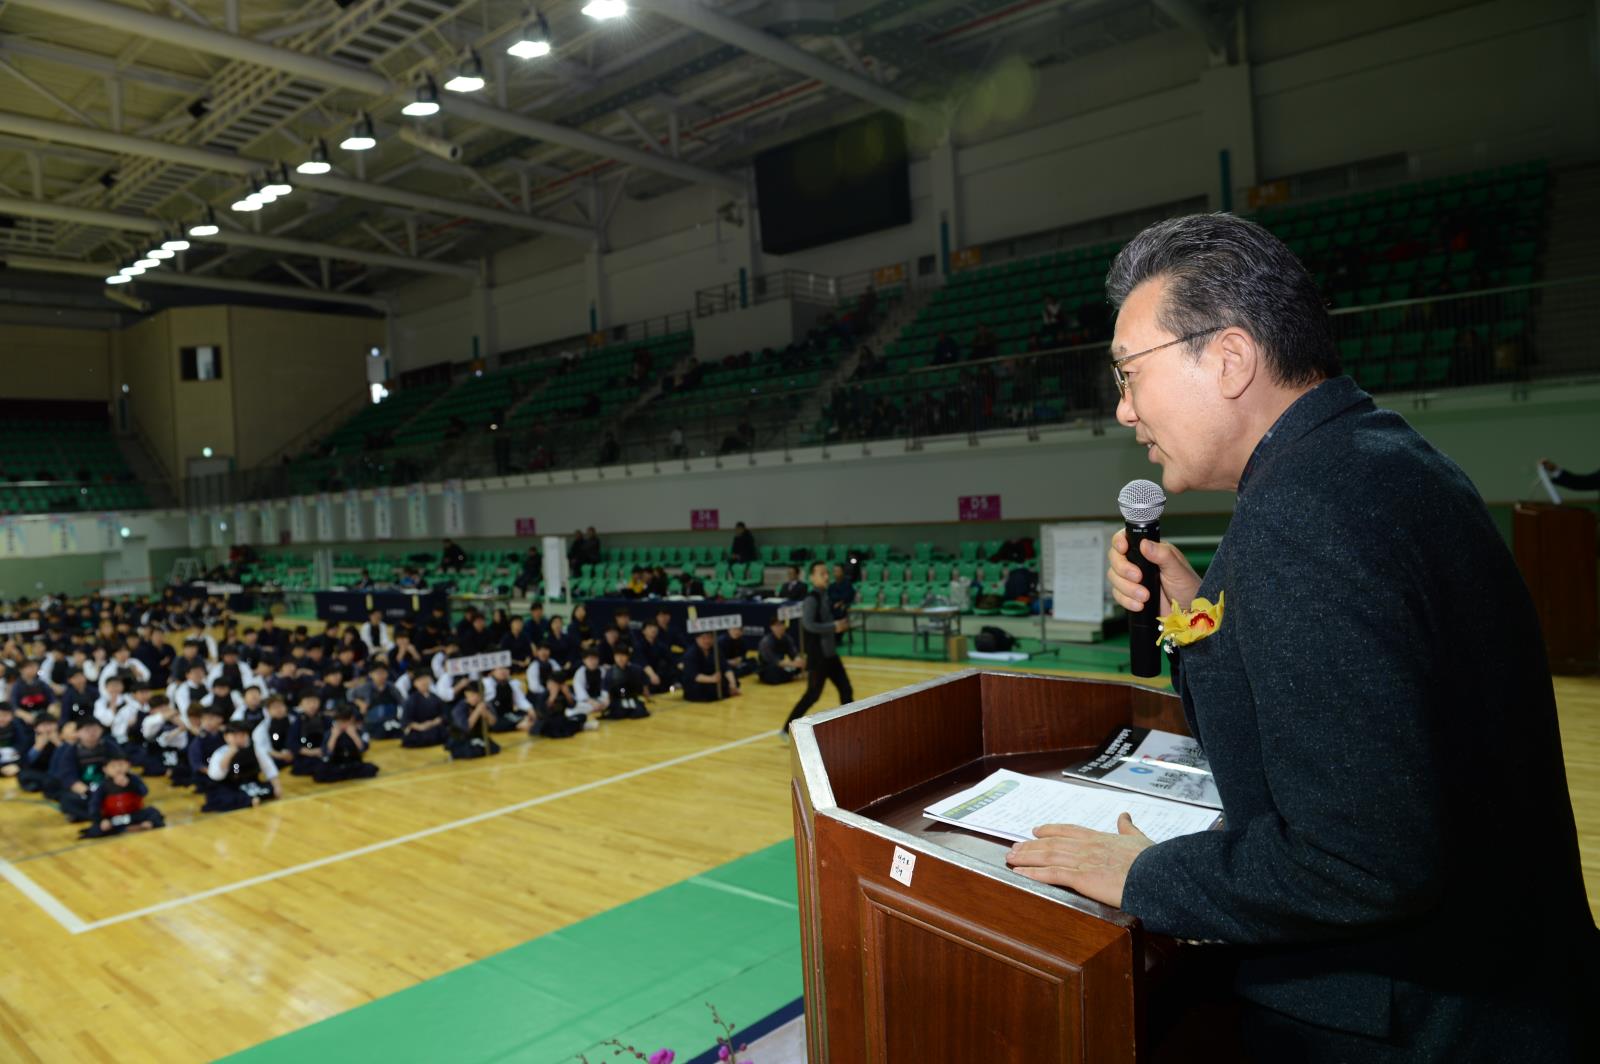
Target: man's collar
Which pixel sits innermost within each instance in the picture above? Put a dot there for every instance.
(1321, 404)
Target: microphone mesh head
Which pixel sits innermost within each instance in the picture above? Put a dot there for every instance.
(1141, 501)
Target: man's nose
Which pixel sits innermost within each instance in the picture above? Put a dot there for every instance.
(1126, 415)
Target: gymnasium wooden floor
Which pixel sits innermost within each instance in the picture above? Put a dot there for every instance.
(224, 931)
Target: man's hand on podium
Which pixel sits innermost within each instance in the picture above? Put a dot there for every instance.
(1093, 863)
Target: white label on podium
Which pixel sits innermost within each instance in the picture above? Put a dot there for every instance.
(904, 863)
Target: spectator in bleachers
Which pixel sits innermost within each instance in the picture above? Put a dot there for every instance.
(675, 446)
(452, 559)
(792, 588)
(1052, 320)
(985, 344)
(528, 576)
(866, 362)
(744, 544)
(841, 592)
(591, 546)
(946, 351)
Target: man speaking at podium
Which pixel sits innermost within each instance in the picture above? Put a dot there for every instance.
(1397, 873)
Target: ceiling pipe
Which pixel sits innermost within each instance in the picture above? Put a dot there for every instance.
(220, 284)
(357, 79)
(55, 212)
(224, 162)
(758, 42)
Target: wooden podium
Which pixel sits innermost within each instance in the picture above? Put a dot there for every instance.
(967, 962)
(1555, 550)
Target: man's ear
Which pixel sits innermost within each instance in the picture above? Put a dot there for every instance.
(1240, 361)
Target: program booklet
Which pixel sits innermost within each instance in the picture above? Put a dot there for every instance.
(1152, 762)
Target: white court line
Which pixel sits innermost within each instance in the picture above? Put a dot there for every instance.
(729, 888)
(42, 898)
(78, 926)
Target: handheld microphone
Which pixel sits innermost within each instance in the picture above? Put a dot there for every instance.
(1141, 503)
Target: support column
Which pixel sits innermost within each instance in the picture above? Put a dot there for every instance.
(485, 325)
(947, 233)
(1230, 127)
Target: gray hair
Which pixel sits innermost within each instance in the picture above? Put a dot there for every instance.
(1223, 271)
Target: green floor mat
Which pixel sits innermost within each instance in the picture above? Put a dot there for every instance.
(641, 972)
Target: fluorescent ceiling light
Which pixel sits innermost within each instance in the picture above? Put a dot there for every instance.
(204, 229)
(148, 264)
(159, 253)
(118, 278)
(131, 271)
(177, 243)
(247, 204)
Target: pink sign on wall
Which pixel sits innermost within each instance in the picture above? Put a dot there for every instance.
(527, 526)
(704, 520)
(978, 507)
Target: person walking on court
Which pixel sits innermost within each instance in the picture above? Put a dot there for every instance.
(818, 628)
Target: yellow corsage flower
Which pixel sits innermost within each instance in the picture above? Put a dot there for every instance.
(1184, 626)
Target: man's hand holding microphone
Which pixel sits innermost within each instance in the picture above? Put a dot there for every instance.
(1179, 581)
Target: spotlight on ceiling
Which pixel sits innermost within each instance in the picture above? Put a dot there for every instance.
(118, 278)
(148, 263)
(468, 76)
(277, 183)
(247, 203)
(131, 271)
(318, 163)
(426, 102)
(533, 41)
(206, 226)
(175, 243)
(159, 253)
(600, 10)
(362, 137)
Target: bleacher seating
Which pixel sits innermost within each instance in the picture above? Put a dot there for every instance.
(1464, 233)
(52, 465)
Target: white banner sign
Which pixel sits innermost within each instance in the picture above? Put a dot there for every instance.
(791, 613)
(268, 516)
(13, 544)
(224, 589)
(714, 624)
(478, 663)
(10, 627)
(197, 531)
(417, 511)
(109, 531)
(352, 515)
(63, 535)
(242, 532)
(325, 517)
(455, 508)
(219, 528)
(1076, 571)
(382, 514)
(299, 527)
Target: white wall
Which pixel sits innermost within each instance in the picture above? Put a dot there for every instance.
(1455, 85)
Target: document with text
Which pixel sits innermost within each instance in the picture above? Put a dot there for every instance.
(1009, 805)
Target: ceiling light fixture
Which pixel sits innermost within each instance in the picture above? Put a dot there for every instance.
(277, 183)
(427, 101)
(318, 163)
(362, 136)
(118, 278)
(148, 264)
(469, 75)
(248, 203)
(159, 253)
(600, 10)
(534, 41)
(175, 243)
(206, 226)
(131, 271)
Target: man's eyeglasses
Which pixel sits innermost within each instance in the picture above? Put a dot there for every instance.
(1117, 364)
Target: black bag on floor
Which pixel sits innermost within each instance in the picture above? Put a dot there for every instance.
(992, 640)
